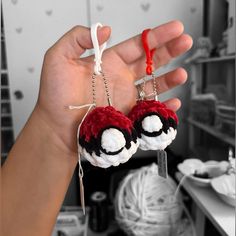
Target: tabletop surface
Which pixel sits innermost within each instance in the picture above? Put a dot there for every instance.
(218, 212)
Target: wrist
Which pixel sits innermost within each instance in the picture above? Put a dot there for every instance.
(48, 138)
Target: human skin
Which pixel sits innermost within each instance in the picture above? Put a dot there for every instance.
(38, 170)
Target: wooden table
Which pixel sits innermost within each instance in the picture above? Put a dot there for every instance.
(211, 206)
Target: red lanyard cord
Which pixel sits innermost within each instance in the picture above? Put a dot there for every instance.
(149, 53)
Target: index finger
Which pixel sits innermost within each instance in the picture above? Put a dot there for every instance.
(132, 49)
(74, 43)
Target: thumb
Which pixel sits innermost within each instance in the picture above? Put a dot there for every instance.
(75, 42)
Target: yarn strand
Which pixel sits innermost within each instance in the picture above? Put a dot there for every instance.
(81, 172)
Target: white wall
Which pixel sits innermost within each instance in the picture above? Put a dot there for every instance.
(31, 27)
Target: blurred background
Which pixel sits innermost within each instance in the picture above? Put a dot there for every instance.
(207, 117)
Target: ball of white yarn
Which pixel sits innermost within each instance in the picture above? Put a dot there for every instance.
(145, 204)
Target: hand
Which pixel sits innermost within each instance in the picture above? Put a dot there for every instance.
(66, 78)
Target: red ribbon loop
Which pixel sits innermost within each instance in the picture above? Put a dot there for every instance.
(149, 53)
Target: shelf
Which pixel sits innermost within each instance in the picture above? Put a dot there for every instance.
(2, 36)
(6, 115)
(216, 59)
(4, 71)
(4, 87)
(213, 131)
(6, 128)
(221, 215)
(5, 100)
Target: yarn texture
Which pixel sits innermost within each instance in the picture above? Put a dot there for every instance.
(102, 117)
(107, 137)
(155, 124)
(149, 106)
(145, 204)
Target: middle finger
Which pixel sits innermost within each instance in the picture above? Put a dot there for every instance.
(163, 55)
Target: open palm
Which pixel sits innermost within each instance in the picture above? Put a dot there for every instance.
(66, 78)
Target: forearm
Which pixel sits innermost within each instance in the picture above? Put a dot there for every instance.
(35, 179)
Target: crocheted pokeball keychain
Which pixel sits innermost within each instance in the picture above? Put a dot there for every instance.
(107, 137)
(154, 122)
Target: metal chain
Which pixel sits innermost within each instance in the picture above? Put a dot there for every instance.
(105, 85)
(154, 82)
(94, 87)
(106, 89)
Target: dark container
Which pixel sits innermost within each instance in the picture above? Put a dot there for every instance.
(99, 215)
